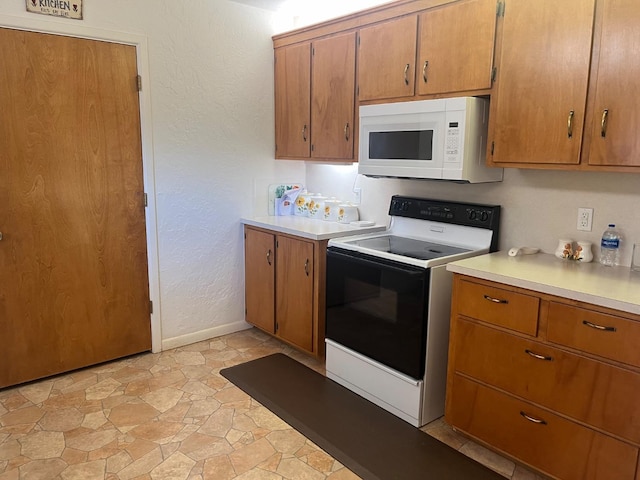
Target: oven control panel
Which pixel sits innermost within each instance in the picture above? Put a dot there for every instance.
(444, 211)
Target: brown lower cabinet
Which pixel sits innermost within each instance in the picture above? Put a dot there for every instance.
(550, 382)
(284, 287)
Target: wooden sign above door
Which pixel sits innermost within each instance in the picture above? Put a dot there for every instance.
(57, 8)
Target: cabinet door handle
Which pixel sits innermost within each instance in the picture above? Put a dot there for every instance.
(598, 327)
(304, 132)
(306, 267)
(603, 122)
(406, 76)
(269, 256)
(537, 355)
(495, 300)
(539, 421)
(347, 132)
(570, 124)
(424, 70)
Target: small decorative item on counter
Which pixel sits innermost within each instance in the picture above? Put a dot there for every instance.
(564, 248)
(316, 207)
(331, 208)
(285, 199)
(302, 204)
(583, 252)
(347, 213)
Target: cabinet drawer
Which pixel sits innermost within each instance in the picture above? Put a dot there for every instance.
(601, 334)
(554, 445)
(587, 390)
(505, 308)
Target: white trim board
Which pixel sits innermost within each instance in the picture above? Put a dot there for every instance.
(142, 54)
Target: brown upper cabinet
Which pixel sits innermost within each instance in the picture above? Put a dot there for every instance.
(387, 59)
(446, 49)
(560, 100)
(456, 47)
(315, 99)
(616, 93)
(293, 101)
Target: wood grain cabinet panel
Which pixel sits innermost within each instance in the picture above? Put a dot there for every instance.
(499, 306)
(456, 47)
(284, 287)
(537, 437)
(608, 336)
(538, 107)
(386, 59)
(260, 280)
(294, 293)
(561, 398)
(586, 390)
(614, 138)
(293, 101)
(333, 97)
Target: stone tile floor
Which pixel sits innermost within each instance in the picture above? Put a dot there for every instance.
(172, 416)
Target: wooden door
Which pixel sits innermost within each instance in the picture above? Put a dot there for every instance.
(259, 274)
(456, 47)
(386, 59)
(293, 101)
(537, 111)
(294, 291)
(73, 261)
(615, 139)
(333, 97)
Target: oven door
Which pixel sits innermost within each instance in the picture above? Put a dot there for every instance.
(378, 308)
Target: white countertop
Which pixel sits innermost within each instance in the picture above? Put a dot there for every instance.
(612, 287)
(308, 227)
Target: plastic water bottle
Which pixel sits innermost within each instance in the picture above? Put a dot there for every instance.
(610, 246)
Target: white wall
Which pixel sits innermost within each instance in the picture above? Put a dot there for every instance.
(211, 69)
(538, 207)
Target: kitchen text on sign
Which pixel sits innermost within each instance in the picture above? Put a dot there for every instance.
(58, 8)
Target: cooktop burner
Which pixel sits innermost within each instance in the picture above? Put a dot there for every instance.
(408, 247)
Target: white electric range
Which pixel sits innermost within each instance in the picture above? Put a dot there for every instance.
(388, 302)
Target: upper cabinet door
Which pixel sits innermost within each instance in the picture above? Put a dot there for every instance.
(456, 46)
(537, 110)
(292, 101)
(387, 55)
(615, 139)
(333, 79)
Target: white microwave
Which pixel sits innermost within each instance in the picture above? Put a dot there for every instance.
(443, 139)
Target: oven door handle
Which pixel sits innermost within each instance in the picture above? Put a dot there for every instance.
(414, 272)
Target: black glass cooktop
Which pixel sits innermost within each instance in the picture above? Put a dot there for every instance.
(408, 247)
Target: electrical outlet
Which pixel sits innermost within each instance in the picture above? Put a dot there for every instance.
(585, 219)
(357, 194)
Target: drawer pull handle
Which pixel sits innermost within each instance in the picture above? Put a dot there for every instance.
(570, 124)
(495, 300)
(269, 256)
(538, 356)
(539, 421)
(406, 71)
(306, 267)
(599, 327)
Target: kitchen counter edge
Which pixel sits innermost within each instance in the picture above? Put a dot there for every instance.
(309, 228)
(612, 287)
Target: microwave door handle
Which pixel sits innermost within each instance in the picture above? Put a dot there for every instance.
(372, 263)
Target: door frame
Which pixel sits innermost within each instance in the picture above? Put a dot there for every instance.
(142, 59)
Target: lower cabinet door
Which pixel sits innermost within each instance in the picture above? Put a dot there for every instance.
(559, 447)
(259, 273)
(294, 292)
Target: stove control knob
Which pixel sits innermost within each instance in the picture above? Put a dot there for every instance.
(405, 206)
(472, 215)
(484, 216)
